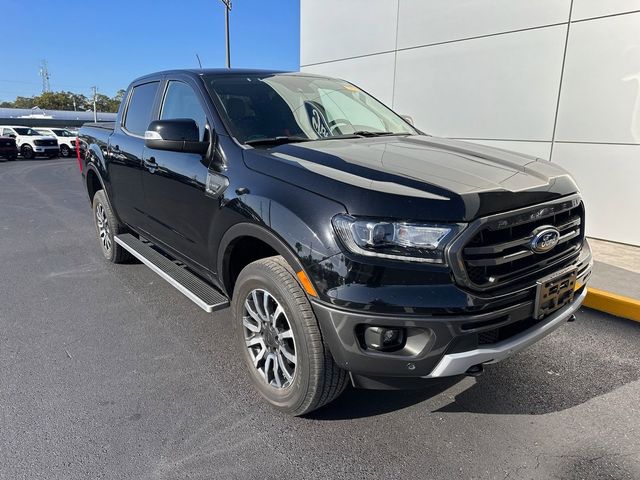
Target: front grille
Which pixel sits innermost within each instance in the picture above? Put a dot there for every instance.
(46, 143)
(497, 252)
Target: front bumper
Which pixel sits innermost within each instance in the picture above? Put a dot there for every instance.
(8, 151)
(46, 150)
(458, 363)
(438, 345)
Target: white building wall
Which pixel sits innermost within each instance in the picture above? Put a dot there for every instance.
(559, 79)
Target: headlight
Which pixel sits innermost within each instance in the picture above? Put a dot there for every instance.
(415, 242)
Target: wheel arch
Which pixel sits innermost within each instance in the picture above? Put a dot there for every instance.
(264, 243)
(94, 181)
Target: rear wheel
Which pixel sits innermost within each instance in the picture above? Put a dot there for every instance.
(64, 150)
(107, 227)
(288, 361)
(27, 152)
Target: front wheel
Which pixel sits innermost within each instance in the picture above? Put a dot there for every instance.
(27, 152)
(281, 343)
(64, 150)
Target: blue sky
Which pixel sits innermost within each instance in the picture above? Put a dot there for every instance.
(109, 42)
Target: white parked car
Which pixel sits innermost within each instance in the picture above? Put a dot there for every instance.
(66, 139)
(31, 143)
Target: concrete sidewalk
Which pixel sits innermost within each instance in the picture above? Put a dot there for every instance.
(616, 268)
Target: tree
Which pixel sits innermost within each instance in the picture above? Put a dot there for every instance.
(106, 104)
(67, 101)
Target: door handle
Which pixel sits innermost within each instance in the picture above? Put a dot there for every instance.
(150, 164)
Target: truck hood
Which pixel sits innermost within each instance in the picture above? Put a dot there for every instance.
(414, 177)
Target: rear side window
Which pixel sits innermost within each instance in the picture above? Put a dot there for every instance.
(139, 110)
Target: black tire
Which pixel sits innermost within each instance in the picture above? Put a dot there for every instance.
(27, 152)
(105, 232)
(12, 158)
(317, 379)
(65, 151)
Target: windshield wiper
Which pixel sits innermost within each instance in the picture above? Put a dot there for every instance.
(366, 133)
(277, 140)
(360, 134)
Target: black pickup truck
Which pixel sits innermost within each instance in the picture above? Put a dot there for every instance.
(350, 246)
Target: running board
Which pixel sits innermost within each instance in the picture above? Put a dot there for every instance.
(199, 292)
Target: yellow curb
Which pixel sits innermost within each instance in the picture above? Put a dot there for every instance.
(612, 303)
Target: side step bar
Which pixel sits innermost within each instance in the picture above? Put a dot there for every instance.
(199, 292)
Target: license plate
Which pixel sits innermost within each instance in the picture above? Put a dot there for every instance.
(554, 292)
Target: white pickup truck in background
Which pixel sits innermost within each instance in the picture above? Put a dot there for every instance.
(31, 143)
(66, 139)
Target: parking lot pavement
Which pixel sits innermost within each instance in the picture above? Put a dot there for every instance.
(108, 372)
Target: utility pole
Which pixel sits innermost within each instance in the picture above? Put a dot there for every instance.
(227, 9)
(44, 73)
(95, 94)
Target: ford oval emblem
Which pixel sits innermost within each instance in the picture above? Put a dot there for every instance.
(544, 239)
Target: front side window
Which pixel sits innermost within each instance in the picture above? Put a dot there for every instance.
(181, 101)
(292, 105)
(139, 110)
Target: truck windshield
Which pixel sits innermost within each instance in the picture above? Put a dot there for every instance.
(298, 107)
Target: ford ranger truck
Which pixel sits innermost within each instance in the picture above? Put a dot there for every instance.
(350, 246)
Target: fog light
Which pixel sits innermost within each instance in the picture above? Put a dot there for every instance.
(384, 339)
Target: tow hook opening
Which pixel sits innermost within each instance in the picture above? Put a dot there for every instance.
(475, 370)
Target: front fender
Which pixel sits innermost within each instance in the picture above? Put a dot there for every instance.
(301, 232)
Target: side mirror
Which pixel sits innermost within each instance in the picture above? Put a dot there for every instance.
(408, 119)
(176, 135)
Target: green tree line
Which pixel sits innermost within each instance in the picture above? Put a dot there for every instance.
(67, 101)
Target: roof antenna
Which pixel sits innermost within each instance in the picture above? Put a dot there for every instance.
(199, 62)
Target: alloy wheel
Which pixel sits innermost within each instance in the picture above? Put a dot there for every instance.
(269, 339)
(104, 230)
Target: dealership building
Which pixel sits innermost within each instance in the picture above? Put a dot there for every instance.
(558, 79)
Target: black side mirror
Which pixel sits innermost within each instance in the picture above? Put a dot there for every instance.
(176, 135)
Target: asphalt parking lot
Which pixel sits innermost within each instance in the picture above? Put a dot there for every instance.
(108, 372)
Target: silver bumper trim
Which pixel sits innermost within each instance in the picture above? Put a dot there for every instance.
(459, 363)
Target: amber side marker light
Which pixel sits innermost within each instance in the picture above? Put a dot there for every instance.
(306, 283)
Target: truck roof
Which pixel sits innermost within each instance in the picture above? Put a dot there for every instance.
(221, 72)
